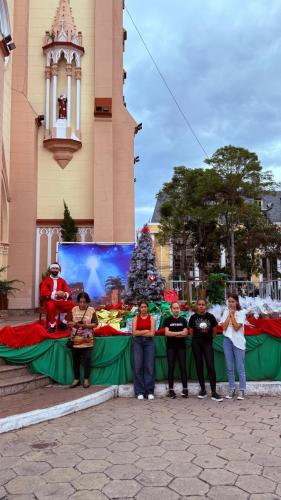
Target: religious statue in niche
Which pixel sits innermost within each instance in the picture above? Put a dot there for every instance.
(62, 100)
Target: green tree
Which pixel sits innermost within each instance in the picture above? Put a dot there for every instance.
(68, 227)
(238, 181)
(189, 217)
(207, 209)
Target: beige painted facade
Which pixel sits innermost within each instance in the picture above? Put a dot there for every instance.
(162, 253)
(98, 182)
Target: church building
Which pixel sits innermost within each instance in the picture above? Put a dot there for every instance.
(66, 133)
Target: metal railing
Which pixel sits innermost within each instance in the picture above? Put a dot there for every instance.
(197, 288)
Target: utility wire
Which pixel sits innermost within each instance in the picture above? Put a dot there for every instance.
(187, 122)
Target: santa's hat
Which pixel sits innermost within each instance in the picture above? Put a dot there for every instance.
(55, 265)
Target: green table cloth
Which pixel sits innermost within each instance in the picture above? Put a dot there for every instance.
(112, 360)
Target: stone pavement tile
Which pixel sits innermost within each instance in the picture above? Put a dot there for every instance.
(214, 427)
(234, 454)
(225, 443)
(242, 467)
(276, 451)
(63, 460)
(24, 484)
(55, 491)
(6, 475)
(118, 489)
(178, 456)
(256, 448)
(273, 473)
(227, 493)
(154, 463)
(39, 456)
(202, 449)
(18, 497)
(218, 476)
(147, 441)
(154, 478)
(86, 466)
(70, 449)
(92, 481)
(14, 450)
(174, 445)
(2, 493)
(197, 439)
(209, 462)
(264, 496)
(184, 470)
(123, 446)
(170, 435)
(278, 490)
(266, 460)
(150, 451)
(32, 468)
(125, 471)
(74, 439)
(189, 486)
(94, 453)
(157, 494)
(61, 475)
(88, 495)
(123, 437)
(97, 443)
(125, 457)
(256, 484)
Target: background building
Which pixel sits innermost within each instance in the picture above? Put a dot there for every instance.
(67, 134)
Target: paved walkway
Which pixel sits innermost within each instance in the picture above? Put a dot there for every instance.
(162, 450)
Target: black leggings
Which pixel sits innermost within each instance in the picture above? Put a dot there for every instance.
(202, 348)
(173, 352)
(82, 355)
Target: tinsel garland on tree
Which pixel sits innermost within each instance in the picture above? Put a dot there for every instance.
(144, 280)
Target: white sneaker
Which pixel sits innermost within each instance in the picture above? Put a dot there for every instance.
(140, 396)
(150, 397)
(231, 394)
(241, 395)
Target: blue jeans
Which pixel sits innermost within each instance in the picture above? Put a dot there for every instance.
(143, 355)
(231, 352)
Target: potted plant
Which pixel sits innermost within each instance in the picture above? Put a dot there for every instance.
(7, 287)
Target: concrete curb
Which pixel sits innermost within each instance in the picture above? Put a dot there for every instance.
(266, 388)
(36, 416)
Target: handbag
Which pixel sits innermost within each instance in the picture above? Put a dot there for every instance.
(70, 343)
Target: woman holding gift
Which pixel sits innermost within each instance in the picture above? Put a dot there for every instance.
(234, 345)
(84, 320)
(143, 330)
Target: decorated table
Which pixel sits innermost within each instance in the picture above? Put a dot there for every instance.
(112, 363)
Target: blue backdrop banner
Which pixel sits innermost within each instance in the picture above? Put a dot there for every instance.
(98, 269)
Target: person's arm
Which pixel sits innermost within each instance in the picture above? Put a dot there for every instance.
(135, 332)
(151, 332)
(236, 325)
(214, 332)
(224, 324)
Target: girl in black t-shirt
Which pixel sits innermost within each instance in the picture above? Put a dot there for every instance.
(202, 327)
(176, 332)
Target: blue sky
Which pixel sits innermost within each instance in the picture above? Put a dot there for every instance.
(222, 60)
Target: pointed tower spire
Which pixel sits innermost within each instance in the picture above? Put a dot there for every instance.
(63, 28)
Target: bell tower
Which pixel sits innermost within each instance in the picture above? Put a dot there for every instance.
(63, 50)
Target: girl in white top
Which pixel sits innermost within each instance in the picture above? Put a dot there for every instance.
(234, 345)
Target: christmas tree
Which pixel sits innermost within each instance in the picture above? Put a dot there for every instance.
(68, 228)
(144, 280)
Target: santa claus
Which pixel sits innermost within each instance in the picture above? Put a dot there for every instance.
(56, 294)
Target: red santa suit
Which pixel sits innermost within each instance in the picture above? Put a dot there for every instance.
(54, 304)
